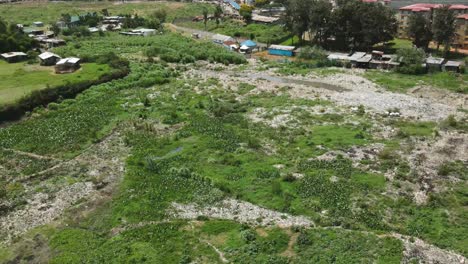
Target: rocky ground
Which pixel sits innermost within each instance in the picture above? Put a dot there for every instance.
(92, 174)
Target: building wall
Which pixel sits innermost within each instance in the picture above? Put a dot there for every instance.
(280, 52)
(461, 39)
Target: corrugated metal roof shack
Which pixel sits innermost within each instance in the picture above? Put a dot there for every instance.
(280, 50)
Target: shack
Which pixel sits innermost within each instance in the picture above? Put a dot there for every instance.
(454, 66)
(38, 24)
(364, 61)
(220, 39)
(48, 58)
(248, 46)
(67, 65)
(140, 32)
(11, 57)
(281, 50)
(434, 64)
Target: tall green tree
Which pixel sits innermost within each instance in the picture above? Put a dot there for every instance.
(443, 27)
(319, 20)
(217, 14)
(246, 12)
(205, 16)
(297, 16)
(358, 25)
(13, 39)
(420, 30)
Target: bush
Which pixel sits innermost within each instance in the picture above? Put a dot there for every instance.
(313, 53)
(411, 60)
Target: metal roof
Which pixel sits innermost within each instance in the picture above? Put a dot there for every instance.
(432, 60)
(13, 54)
(70, 60)
(249, 43)
(281, 47)
(453, 64)
(46, 55)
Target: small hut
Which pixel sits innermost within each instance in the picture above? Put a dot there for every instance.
(11, 57)
(48, 58)
(454, 66)
(281, 50)
(67, 65)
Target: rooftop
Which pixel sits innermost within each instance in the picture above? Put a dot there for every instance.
(428, 7)
(13, 54)
(70, 60)
(281, 47)
(46, 55)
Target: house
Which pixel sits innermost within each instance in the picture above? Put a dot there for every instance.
(115, 20)
(48, 58)
(140, 32)
(53, 42)
(11, 57)
(234, 5)
(231, 45)
(220, 39)
(38, 24)
(74, 21)
(281, 50)
(425, 9)
(355, 57)
(434, 64)
(61, 24)
(461, 32)
(454, 66)
(264, 19)
(248, 46)
(33, 31)
(364, 61)
(67, 65)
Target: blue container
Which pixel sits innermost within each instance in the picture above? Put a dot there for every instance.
(287, 53)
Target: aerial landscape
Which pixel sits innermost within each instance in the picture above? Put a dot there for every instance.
(234, 131)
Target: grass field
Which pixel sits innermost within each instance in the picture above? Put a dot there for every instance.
(50, 12)
(262, 33)
(19, 79)
(187, 127)
(401, 82)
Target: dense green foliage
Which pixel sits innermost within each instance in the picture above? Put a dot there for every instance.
(355, 25)
(13, 39)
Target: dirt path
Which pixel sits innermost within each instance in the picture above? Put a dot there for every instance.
(240, 211)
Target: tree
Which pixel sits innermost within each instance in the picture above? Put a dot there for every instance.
(205, 16)
(105, 12)
(218, 13)
(411, 60)
(297, 17)
(359, 26)
(443, 27)
(320, 16)
(56, 29)
(12, 38)
(420, 30)
(161, 15)
(246, 12)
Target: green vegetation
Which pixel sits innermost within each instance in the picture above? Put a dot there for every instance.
(402, 82)
(26, 13)
(261, 33)
(20, 79)
(187, 138)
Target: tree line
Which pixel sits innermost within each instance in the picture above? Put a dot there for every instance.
(350, 25)
(12, 38)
